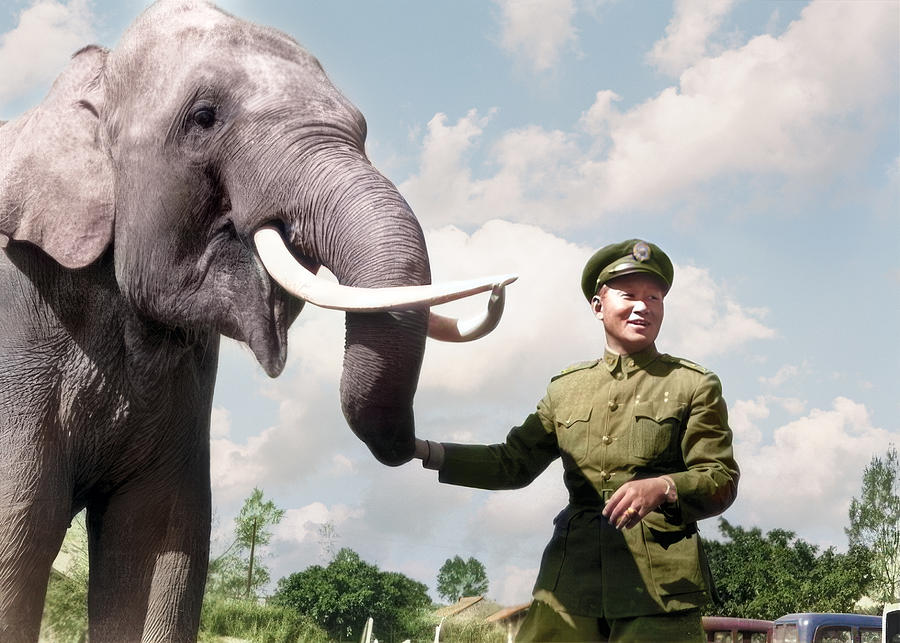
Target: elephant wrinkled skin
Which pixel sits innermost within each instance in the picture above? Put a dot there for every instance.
(129, 201)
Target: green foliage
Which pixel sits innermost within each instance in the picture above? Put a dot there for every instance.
(229, 572)
(875, 524)
(458, 578)
(259, 623)
(472, 631)
(227, 575)
(768, 575)
(343, 595)
(65, 607)
(253, 522)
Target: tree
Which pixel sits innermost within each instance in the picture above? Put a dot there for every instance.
(768, 575)
(875, 524)
(341, 596)
(328, 538)
(65, 607)
(458, 578)
(238, 572)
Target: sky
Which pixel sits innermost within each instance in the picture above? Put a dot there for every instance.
(757, 143)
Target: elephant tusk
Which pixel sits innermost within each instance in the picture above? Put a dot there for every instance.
(300, 282)
(448, 329)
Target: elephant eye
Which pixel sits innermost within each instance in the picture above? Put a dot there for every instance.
(204, 117)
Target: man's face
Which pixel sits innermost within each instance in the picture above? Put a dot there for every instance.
(631, 309)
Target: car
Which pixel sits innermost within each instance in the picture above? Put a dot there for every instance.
(890, 623)
(810, 627)
(725, 629)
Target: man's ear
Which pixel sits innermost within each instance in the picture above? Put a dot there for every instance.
(596, 307)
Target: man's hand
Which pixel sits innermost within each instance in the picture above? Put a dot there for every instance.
(421, 449)
(635, 499)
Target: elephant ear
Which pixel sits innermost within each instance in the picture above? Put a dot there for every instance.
(56, 187)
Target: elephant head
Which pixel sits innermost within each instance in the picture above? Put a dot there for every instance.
(204, 150)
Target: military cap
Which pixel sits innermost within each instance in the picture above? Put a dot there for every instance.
(625, 258)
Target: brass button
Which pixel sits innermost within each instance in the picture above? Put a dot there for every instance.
(619, 376)
(613, 406)
(631, 362)
(604, 476)
(606, 439)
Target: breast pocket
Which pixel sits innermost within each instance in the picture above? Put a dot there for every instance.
(656, 430)
(573, 432)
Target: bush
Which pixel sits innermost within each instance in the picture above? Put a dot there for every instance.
(472, 631)
(343, 595)
(415, 624)
(65, 609)
(65, 604)
(258, 623)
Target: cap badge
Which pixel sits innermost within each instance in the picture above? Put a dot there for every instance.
(641, 251)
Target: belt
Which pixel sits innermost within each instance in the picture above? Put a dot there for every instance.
(597, 503)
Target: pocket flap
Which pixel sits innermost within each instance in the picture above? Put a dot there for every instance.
(582, 414)
(659, 412)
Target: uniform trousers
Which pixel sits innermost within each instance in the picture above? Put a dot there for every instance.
(546, 624)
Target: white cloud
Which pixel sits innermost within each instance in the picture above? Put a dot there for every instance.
(893, 171)
(446, 146)
(300, 445)
(38, 49)
(687, 34)
(303, 440)
(220, 423)
(303, 525)
(342, 465)
(514, 585)
(392, 493)
(792, 405)
(547, 324)
(534, 171)
(703, 319)
(444, 176)
(804, 478)
(596, 120)
(298, 542)
(537, 30)
(527, 341)
(796, 107)
(743, 417)
(785, 373)
(519, 522)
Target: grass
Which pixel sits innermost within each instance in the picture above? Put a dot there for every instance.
(472, 631)
(251, 621)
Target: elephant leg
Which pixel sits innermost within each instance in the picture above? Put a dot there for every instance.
(149, 551)
(34, 515)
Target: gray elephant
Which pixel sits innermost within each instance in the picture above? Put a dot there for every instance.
(186, 185)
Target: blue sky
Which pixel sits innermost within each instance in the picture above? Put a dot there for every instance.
(756, 142)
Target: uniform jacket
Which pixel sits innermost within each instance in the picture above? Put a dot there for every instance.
(614, 420)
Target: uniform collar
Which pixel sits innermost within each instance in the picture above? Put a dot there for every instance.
(632, 362)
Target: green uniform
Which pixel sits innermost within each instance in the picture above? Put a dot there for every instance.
(611, 421)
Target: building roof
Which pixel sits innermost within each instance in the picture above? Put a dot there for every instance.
(459, 606)
(507, 612)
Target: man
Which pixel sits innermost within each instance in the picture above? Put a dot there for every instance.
(646, 450)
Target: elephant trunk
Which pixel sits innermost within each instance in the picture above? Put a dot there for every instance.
(366, 234)
(379, 382)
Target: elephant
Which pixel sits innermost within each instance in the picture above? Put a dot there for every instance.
(187, 184)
